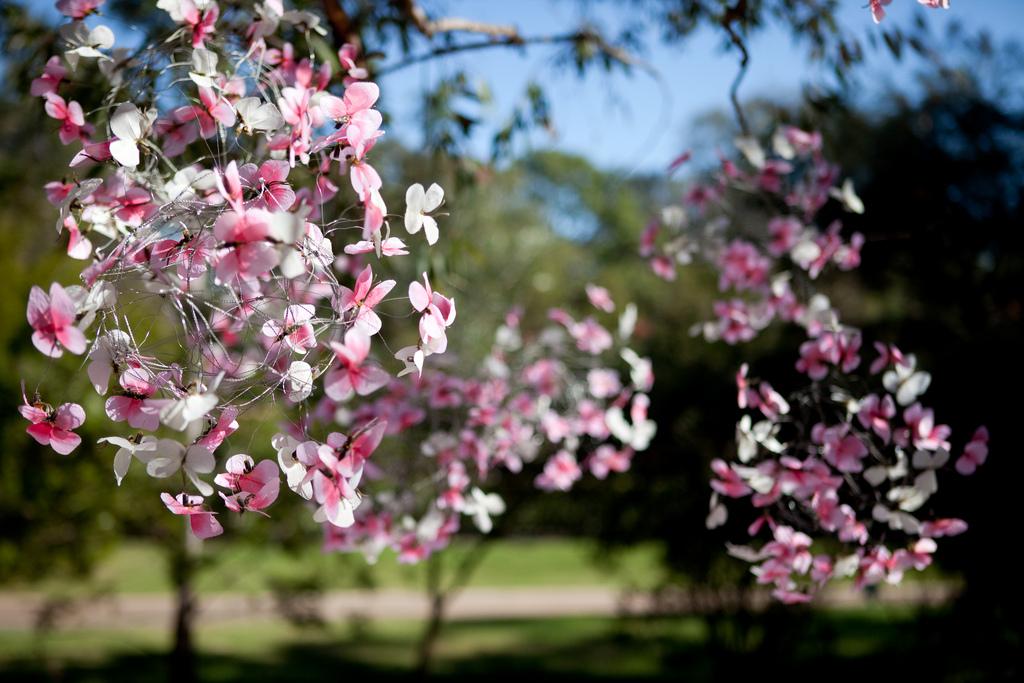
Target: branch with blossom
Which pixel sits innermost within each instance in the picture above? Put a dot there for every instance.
(566, 400)
(840, 473)
(206, 202)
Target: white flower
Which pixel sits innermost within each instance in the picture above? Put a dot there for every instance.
(752, 150)
(627, 321)
(130, 126)
(144, 450)
(413, 357)
(88, 302)
(905, 382)
(256, 115)
(171, 456)
(84, 42)
(749, 434)
(717, 514)
(294, 471)
(299, 381)
(204, 67)
(481, 506)
(417, 205)
(898, 521)
(180, 413)
(110, 349)
(637, 435)
(641, 372)
(848, 197)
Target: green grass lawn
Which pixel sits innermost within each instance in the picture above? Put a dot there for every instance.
(851, 645)
(249, 568)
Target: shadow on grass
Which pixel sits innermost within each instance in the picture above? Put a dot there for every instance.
(862, 646)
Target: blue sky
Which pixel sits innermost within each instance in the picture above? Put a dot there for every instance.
(636, 122)
(653, 127)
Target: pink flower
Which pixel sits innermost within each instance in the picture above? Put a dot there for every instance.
(353, 377)
(785, 232)
(923, 431)
(358, 97)
(789, 596)
(438, 313)
(341, 468)
(244, 254)
(134, 405)
(918, 557)
(975, 453)
(53, 319)
(848, 345)
(736, 321)
(179, 130)
(603, 383)
(878, 9)
(843, 450)
(135, 206)
(363, 299)
(803, 142)
(591, 337)
(347, 55)
(217, 108)
(816, 355)
(53, 73)
(361, 123)
(729, 483)
(202, 523)
(745, 396)
(79, 246)
(649, 238)
(54, 428)
(294, 329)
(943, 527)
(888, 355)
(663, 268)
(202, 23)
(225, 426)
(270, 184)
(78, 9)
(875, 414)
(772, 404)
(92, 152)
(561, 471)
(70, 115)
(252, 487)
(365, 179)
(600, 298)
(742, 267)
(294, 105)
(607, 459)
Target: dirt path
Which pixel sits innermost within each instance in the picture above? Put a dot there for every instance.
(27, 610)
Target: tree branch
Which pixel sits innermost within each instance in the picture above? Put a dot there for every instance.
(583, 35)
(431, 27)
(737, 40)
(342, 26)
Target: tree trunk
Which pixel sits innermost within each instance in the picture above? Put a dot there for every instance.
(428, 641)
(182, 658)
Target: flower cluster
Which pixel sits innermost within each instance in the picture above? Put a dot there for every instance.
(228, 274)
(553, 402)
(841, 473)
(765, 271)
